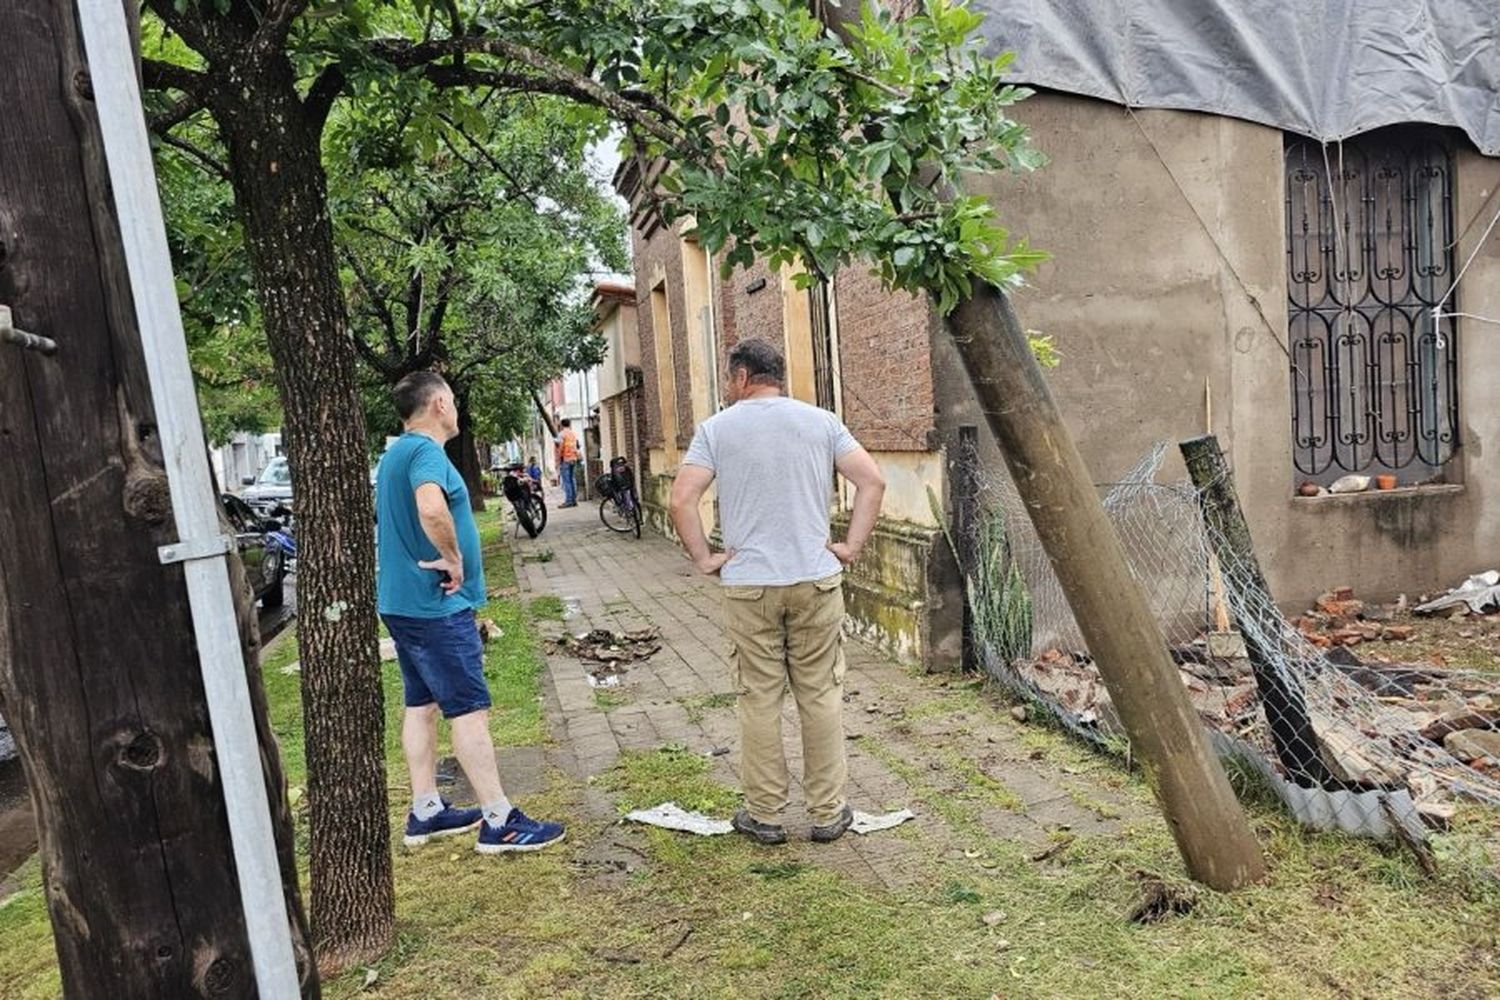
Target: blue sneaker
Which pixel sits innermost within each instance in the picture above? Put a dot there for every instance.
(446, 823)
(520, 833)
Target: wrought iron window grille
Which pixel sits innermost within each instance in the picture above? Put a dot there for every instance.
(1374, 366)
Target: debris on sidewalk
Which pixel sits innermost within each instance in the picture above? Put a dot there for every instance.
(604, 646)
(864, 823)
(1477, 593)
(671, 816)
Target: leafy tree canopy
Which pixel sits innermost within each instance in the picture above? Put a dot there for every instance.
(786, 143)
(470, 246)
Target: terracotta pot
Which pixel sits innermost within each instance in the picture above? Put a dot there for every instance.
(1385, 482)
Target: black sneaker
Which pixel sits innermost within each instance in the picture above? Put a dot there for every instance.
(833, 831)
(761, 833)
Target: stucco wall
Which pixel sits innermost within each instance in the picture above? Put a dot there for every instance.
(1169, 275)
(623, 347)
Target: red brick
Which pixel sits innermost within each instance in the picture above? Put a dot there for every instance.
(885, 342)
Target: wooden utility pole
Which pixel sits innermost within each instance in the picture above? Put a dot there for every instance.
(99, 673)
(1281, 696)
(1107, 601)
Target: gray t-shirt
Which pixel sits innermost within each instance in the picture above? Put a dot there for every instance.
(773, 460)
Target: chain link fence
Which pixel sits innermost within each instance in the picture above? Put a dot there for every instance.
(1366, 747)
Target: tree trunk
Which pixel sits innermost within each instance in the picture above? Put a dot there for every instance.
(99, 675)
(281, 193)
(463, 452)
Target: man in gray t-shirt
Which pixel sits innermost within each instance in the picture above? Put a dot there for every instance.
(773, 459)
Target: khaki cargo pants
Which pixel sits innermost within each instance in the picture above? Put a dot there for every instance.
(789, 636)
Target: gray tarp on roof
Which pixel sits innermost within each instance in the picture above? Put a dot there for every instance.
(1325, 68)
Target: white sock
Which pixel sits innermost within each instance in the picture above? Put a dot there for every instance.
(427, 806)
(497, 812)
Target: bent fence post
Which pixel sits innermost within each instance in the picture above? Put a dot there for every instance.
(1292, 732)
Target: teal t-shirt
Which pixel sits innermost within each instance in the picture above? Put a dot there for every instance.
(403, 587)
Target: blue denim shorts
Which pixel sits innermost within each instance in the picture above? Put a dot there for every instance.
(442, 660)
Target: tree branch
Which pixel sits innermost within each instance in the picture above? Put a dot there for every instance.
(370, 230)
(455, 25)
(181, 110)
(519, 188)
(413, 309)
(204, 159)
(378, 303)
(547, 76)
(159, 75)
(529, 83)
(187, 28)
(280, 14)
(546, 417)
(321, 95)
(387, 366)
(473, 167)
(653, 103)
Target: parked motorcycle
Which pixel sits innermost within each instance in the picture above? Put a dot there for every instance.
(525, 496)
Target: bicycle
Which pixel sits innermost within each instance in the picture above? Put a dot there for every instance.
(620, 510)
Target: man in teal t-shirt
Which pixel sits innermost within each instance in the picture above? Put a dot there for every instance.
(431, 578)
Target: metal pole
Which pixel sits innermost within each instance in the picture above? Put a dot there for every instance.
(201, 547)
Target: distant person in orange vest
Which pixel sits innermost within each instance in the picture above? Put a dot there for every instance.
(567, 463)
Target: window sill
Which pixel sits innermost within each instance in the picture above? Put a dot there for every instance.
(1376, 496)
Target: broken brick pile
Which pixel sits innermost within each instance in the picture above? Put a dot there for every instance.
(1338, 619)
(1220, 688)
(1378, 725)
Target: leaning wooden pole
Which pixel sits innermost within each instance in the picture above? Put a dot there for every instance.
(1108, 603)
(1111, 609)
(1291, 727)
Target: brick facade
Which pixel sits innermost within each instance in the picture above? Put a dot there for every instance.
(750, 315)
(885, 344)
(885, 362)
(627, 414)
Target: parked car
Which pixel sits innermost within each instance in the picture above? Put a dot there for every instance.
(265, 560)
(272, 488)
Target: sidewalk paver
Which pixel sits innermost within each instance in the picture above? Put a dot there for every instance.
(680, 697)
